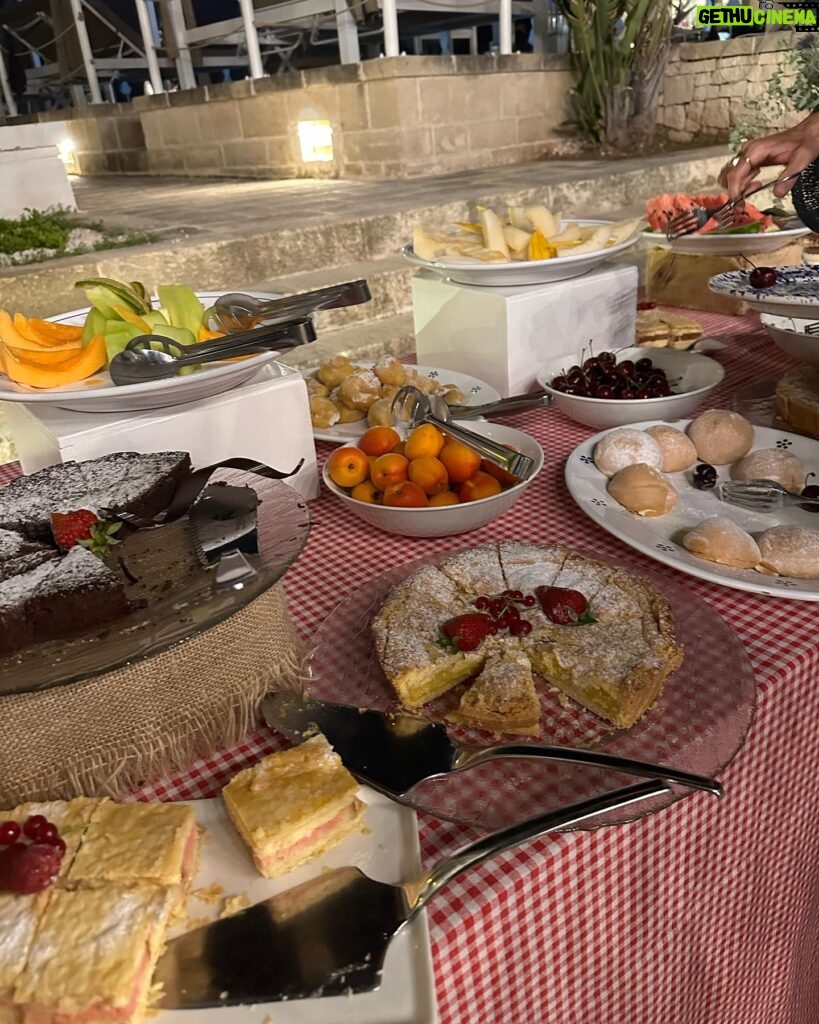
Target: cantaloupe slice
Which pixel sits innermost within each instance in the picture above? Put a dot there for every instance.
(19, 333)
(68, 371)
(60, 332)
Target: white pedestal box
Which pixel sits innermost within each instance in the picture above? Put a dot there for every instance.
(504, 335)
(32, 173)
(267, 419)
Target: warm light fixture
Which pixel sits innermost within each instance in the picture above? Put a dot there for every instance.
(65, 147)
(315, 140)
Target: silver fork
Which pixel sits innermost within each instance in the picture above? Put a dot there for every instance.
(761, 495)
(697, 217)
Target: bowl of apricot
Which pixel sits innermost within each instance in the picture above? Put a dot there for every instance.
(427, 485)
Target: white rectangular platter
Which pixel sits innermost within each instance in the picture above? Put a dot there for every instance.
(386, 850)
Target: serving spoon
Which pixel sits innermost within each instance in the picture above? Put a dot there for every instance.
(153, 357)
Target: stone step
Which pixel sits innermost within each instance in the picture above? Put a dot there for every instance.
(233, 260)
(388, 279)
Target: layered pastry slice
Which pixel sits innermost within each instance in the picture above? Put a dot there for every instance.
(93, 954)
(135, 843)
(293, 805)
(503, 697)
(70, 816)
(18, 922)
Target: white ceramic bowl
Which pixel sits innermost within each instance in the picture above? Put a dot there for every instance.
(692, 377)
(788, 333)
(448, 519)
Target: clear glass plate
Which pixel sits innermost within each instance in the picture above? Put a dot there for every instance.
(175, 590)
(698, 724)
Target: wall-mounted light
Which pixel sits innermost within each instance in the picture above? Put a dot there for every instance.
(315, 140)
(65, 147)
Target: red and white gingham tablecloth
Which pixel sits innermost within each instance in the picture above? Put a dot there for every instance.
(705, 913)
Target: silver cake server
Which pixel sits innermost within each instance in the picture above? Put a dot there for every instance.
(329, 936)
(394, 753)
(222, 526)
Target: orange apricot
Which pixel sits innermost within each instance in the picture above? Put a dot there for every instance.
(429, 473)
(366, 491)
(379, 440)
(400, 449)
(405, 494)
(424, 440)
(388, 469)
(460, 462)
(444, 498)
(348, 466)
(481, 485)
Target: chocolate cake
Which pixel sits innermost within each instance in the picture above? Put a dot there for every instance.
(122, 482)
(45, 594)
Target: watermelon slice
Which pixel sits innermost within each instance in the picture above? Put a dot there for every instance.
(661, 209)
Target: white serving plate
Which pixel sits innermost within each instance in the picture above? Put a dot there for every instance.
(788, 333)
(718, 244)
(98, 393)
(530, 272)
(389, 852)
(477, 392)
(796, 293)
(660, 537)
(692, 375)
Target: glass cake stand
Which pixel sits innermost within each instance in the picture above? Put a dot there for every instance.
(173, 595)
(698, 724)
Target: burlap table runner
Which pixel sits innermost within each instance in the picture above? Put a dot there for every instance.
(112, 732)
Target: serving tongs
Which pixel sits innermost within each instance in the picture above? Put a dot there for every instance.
(330, 936)
(151, 357)
(412, 407)
(393, 753)
(238, 312)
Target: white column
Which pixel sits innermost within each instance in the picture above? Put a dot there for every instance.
(86, 51)
(347, 34)
(389, 13)
(184, 64)
(8, 97)
(149, 43)
(505, 26)
(254, 54)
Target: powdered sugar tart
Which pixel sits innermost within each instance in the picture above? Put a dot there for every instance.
(689, 676)
(661, 537)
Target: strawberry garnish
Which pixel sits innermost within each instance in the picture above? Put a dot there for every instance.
(564, 606)
(83, 527)
(467, 632)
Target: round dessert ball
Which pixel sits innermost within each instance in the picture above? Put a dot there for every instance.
(678, 450)
(721, 540)
(771, 464)
(332, 371)
(790, 551)
(721, 436)
(642, 489)
(360, 390)
(626, 447)
(323, 412)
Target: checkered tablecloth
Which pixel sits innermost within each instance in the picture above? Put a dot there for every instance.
(704, 913)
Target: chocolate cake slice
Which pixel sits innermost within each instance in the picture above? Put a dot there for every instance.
(66, 595)
(18, 554)
(26, 503)
(136, 482)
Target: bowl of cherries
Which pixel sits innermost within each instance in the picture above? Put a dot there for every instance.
(611, 389)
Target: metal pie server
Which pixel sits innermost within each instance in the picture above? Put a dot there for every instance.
(329, 936)
(222, 526)
(394, 753)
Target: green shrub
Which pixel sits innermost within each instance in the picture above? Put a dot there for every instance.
(34, 230)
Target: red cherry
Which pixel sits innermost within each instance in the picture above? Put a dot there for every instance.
(34, 826)
(9, 833)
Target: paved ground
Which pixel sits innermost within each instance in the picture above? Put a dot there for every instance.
(221, 206)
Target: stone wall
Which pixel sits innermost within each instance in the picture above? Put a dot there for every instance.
(707, 85)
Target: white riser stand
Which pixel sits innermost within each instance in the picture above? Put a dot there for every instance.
(265, 419)
(504, 335)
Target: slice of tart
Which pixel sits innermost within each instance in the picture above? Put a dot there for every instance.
(70, 816)
(136, 843)
(503, 697)
(93, 955)
(18, 922)
(293, 805)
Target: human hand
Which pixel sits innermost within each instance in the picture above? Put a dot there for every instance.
(794, 148)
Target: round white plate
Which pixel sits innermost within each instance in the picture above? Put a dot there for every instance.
(98, 393)
(561, 268)
(720, 244)
(660, 538)
(795, 292)
(478, 392)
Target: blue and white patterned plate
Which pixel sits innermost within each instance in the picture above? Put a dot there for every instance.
(796, 290)
(660, 538)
